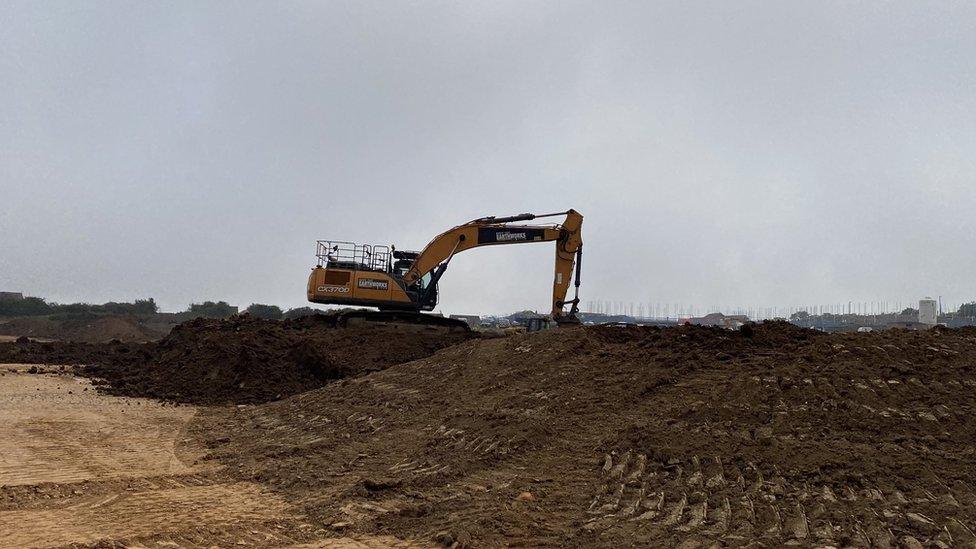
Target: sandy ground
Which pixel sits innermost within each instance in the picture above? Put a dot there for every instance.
(82, 469)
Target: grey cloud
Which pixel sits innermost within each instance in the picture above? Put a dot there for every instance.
(723, 153)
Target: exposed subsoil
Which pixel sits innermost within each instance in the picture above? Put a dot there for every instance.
(88, 328)
(26, 350)
(80, 469)
(238, 360)
(610, 436)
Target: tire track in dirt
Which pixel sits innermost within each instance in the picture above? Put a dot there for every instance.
(79, 469)
(123, 515)
(57, 429)
(638, 437)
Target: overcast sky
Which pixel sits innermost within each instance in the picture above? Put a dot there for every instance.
(722, 153)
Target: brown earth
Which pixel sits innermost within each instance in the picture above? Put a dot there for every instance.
(239, 360)
(87, 328)
(634, 437)
(82, 469)
(602, 436)
(247, 360)
(27, 350)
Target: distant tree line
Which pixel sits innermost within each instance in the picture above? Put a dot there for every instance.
(965, 310)
(264, 311)
(36, 306)
(210, 309)
(267, 312)
(299, 312)
(274, 312)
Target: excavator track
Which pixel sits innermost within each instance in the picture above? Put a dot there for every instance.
(405, 318)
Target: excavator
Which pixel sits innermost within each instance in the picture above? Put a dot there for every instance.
(402, 284)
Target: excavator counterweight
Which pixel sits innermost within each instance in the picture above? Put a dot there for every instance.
(401, 281)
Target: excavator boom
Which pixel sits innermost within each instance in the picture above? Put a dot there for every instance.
(493, 231)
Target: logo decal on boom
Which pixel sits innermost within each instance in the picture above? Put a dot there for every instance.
(488, 235)
(504, 237)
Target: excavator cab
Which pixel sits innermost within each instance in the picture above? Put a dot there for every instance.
(367, 275)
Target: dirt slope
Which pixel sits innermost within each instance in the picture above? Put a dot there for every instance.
(25, 350)
(86, 328)
(246, 360)
(646, 437)
(238, 360)
(81, 469)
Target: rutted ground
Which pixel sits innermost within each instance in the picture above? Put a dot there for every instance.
(56, 429)
(630, 437)
(82, 469)
(601, 436)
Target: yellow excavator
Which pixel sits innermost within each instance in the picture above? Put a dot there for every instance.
(401, 283)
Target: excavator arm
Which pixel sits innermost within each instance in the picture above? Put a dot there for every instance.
(493, 231)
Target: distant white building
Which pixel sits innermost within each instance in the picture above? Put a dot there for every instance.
(928, 312)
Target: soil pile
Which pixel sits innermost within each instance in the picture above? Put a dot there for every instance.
(85, 328)
(238, 360)
(28, 351)
(247, 360)
(611, 436)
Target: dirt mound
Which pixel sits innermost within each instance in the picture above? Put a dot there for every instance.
(637, 436)
(85, 328)
(238, 360)
(28, 351)
(247, 360)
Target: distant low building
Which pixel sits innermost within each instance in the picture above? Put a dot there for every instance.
(11, 296)
(908, 325)
(957, 321)
(532, 321)
(471, 320)
(491, 321)
(732, 322)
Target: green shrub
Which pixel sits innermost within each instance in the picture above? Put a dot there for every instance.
(267, 312)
